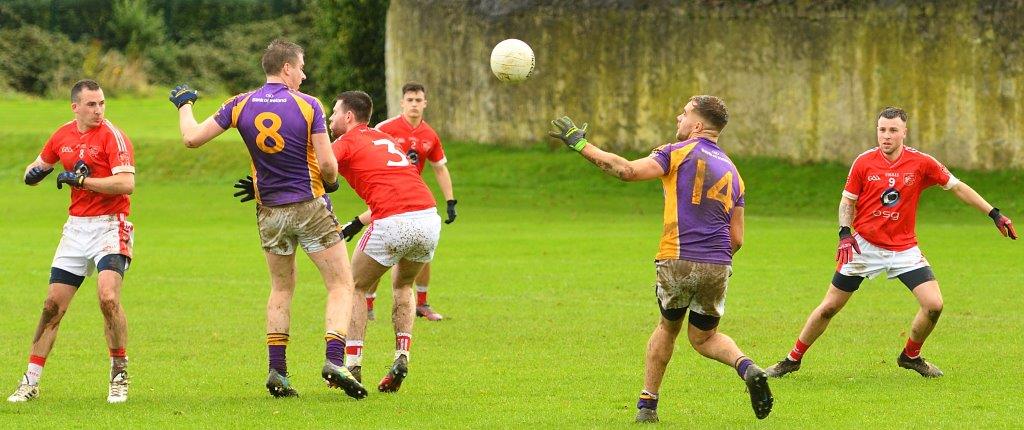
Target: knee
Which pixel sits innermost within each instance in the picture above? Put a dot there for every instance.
(698, 338)
(50, 308)
(934, 310)
(109, 300)
(827, 310)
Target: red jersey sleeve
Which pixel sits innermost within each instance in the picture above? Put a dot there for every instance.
(436, 154)
(120, 153)
(340, 150)
(936, 173)
(49, 153)
(855, 180)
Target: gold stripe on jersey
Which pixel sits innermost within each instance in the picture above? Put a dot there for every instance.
(669, 249)
(255, 188)
(237, 110)
(316, 184)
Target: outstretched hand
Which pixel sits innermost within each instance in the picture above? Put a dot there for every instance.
(573, 137)
(1003, 223)
(182, 95)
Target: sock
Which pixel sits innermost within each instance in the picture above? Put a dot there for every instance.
(913, 349)
(35, 369)
(335, 348)
(276, 345)
(402, 343)
(354, 353)
(118, 361)
(744, 363)
(369, 301)
(421, 295)
(798, 351)
(648, 400)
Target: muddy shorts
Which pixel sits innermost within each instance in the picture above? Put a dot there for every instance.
(412, 236)
(309, 224)
(688, 284)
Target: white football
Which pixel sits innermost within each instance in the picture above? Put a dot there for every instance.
(512, 60)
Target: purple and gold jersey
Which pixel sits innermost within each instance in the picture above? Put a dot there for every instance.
(702, 186)
(277, 125)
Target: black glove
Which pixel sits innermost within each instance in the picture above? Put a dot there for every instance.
(182, 95)
(246, 189)
(349, 230)
(451, 211)
(330, 188)
(36, 174)
(74, 177)
(574, 137)
(1003, 223)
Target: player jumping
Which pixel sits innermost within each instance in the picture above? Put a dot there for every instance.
(286, 134)
(421, 144)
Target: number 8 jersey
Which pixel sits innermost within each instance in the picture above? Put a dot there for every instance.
(380, 173)
(277, 125)
(702, 187)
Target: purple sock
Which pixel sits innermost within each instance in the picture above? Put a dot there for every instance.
(277, 359)
(744, 364)
(336, 352)
(647, 401)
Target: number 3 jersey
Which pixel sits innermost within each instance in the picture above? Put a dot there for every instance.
(381, 173)
(702, 187)
(277, 125)
(887, 193)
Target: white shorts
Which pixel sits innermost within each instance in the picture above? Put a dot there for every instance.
(412, 236)
(86, 240)
(872, 261)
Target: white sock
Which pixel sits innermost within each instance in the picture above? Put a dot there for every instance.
(421, 288)
(353, 353)
(33, 374)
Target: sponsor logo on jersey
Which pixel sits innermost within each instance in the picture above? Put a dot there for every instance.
(892, 215)
(890, 197)
(873, 178)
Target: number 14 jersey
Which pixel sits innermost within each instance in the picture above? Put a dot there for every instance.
(702, 187)
(277, 125)
(380, 173)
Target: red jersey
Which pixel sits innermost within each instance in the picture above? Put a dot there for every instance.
(380, 173)
(417, 143)
(887, 194)
(107, 152)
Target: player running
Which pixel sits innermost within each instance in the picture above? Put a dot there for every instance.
(403, 232)
(880, 203)
(419, 141)
(99, 165)
(286, 134)
(703, 230)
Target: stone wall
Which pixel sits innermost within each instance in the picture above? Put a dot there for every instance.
(803, 80)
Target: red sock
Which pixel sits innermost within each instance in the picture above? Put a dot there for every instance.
(402, 342)
(421, 296)
(798, 351)
(37, 360)
(117, 353)
(913, 349)
(369, 302)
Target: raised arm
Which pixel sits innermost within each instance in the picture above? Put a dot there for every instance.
(193, 134)
(610, 163)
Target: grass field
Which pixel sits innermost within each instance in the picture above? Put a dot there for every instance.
(545, 280)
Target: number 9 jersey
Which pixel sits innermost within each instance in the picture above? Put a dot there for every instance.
(277, 125)
(702, 187)
(380, 173)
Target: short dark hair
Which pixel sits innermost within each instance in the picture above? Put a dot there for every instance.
(891, 112)
(413, 87)
(279, 52)
(87, 84)
(712, 109)
(357, 102)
